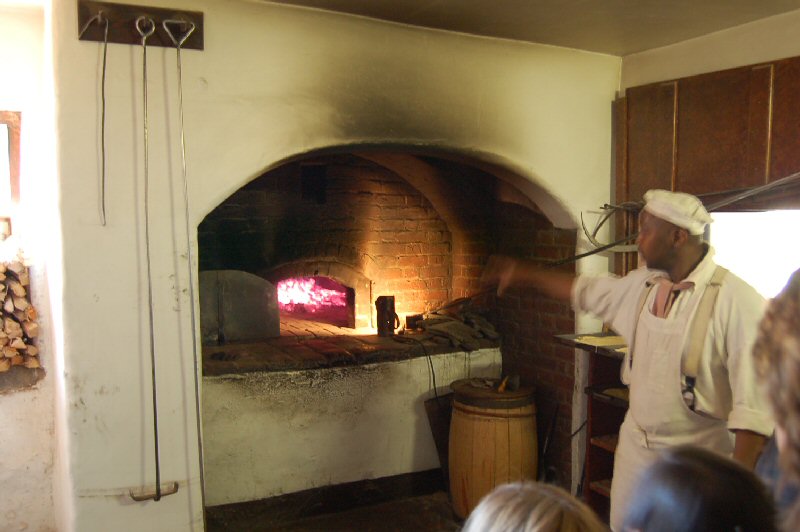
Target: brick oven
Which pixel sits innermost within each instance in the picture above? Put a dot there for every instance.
(350, 220)
(418, 227)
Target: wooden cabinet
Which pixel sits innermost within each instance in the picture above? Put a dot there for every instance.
(711, 133)
(607, 402)
(722, 121)
(650, 138)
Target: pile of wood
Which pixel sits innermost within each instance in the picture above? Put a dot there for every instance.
(18, 329)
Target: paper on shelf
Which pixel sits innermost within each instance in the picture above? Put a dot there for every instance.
(600, 341)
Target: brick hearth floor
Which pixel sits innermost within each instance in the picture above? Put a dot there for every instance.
(314, 345)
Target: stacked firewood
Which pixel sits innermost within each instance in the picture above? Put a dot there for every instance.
(18, 329)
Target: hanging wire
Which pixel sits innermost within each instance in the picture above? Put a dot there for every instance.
(100, 18)
(178, 42)
(145, 32)
(103, 130)
(411, 339)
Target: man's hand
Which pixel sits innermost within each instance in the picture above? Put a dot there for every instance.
(748, 447)
(499, 271)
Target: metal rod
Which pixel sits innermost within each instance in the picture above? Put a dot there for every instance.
(145, 32)
(103, 129)
(753, 191)
(178, 42)
(100, 18)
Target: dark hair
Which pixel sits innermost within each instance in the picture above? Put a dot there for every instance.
(689, 489)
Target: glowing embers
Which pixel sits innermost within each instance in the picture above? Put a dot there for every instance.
(319, 299)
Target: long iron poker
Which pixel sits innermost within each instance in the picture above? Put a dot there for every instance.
(188, 28)
(146, 27)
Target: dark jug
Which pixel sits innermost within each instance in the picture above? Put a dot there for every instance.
(388, 319)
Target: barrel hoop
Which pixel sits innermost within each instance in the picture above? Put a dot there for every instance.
(465, 408)
(494, 404)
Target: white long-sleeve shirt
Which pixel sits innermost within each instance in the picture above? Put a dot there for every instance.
(726, 386)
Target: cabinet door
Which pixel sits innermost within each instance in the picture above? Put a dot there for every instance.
(624, 222)
(723, 123)
(785, 149)
(650, 139)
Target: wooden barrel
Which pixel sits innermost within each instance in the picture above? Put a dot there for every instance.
(492, 440)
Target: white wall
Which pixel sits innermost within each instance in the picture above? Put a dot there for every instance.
(26, 464)
(266, 434)
(764, 40)
(272, 82)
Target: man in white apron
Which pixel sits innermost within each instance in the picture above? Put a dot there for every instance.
(719, 407)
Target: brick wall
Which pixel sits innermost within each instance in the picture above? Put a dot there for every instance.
(527, 322)
(350, 213)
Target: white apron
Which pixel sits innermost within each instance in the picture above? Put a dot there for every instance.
(658, 416)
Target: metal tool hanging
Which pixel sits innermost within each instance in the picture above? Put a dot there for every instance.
(146, 27)
(178, 39)
(116, 23)
(101, 19)
(122, 17)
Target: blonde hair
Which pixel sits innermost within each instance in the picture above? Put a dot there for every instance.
(532, 507)
(777, 356)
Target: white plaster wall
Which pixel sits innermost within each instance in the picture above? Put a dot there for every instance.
(763, 40)
(273, 82)
(267, 434)
(26, 463)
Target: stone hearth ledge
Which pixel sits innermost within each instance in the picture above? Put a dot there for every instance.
(288, 353)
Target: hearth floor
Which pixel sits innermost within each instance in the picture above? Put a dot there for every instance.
(309, 328)
(425, 513)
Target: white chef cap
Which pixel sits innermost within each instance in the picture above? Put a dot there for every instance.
(679, 208)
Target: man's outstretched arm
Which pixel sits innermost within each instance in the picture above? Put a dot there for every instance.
(507, 272)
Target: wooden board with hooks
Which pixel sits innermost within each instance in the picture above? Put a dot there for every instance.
(122, 24)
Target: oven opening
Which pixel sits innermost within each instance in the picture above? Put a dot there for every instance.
(316, 299)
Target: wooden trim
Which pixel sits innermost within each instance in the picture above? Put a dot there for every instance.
(13, 120)
(767, 166)
(674, 174)
(619, 137)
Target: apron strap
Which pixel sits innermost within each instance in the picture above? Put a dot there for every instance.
(699, 329)
(697, 335)
(639, 309)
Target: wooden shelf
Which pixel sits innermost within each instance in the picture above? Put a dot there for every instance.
(615, 350)
(607, 442)
(613, 396)
(607, 402)
(603, 487)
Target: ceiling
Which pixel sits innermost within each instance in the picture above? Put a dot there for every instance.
(616, 27)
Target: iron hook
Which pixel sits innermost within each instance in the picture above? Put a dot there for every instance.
(97, 17)
(145, 33)
(178, 42)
